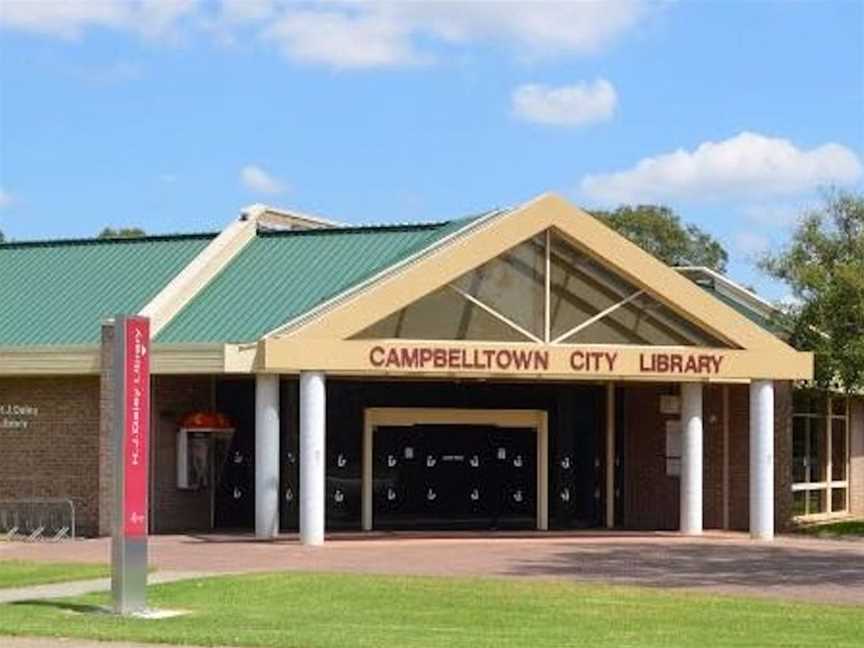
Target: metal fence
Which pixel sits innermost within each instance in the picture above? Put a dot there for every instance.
(49, 519)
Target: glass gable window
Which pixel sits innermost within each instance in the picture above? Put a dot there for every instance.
(443, 315)
(544, 290)
(820, 454)
(512, 285)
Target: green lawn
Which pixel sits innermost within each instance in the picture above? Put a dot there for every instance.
(20, 573)
(844, 529)
(331, 610)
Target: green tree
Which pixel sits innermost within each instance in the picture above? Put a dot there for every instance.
(2, 238)
(121, 232)
(824, 266)
(660, 231)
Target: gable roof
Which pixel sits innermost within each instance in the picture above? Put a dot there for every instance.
(282, 275)
(59, 292)
(746, 302)
(323, 339)
(513, 227)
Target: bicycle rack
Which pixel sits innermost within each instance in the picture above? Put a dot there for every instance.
(37, 519)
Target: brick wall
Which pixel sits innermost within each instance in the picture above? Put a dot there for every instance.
(651, 498)
(174, 510)
(856, 456)
(782, 455)
(57, 455)
(739, 457)
(712, 446)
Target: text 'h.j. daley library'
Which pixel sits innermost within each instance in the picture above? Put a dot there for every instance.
(524, 368)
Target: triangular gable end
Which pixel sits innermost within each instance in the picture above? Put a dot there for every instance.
(687, 307)
(544, 291)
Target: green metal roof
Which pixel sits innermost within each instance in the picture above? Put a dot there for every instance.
(773, 326)
(58, 292)
(280, 276)
(702, 278)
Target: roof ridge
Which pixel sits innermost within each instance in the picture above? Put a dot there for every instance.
(357, 229)
(106, 241)
(379, 227)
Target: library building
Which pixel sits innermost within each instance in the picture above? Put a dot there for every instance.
(524, 369)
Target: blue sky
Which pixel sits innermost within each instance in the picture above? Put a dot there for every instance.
(172, 115)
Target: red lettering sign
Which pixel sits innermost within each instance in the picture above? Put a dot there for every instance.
(136, 401)
(537, 360)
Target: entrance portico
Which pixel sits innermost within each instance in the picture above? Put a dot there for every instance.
(550, 295)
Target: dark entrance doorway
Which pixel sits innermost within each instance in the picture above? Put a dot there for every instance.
(454, 477)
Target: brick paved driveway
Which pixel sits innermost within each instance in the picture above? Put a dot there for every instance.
(795, 568)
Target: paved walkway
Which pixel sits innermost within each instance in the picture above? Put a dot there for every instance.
(790, 567)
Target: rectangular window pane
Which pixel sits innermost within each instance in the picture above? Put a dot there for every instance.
(838, 406)
(809, 402)
(580, 287)
(838, 500)
(799, 503)
(799, 450)
(817, 502)
(838, 449)
(816, 456)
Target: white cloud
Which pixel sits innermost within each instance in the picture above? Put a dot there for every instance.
(341, 40)
(70, 18)
(570, 105)
(5, 198)
(358, 34)
(246, 10)
(257, 179)
(347, 33)
(539, 26)
(748, 164)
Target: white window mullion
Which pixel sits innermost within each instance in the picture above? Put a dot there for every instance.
(598, 316)
(548, 289)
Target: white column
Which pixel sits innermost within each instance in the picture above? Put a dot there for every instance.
(312, 424)
(266, 456)
(366, 486)
(691, 458)
(762, 460)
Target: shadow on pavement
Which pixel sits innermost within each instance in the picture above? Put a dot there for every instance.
(700, 565)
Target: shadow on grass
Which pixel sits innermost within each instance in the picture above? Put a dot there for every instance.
(66, 606)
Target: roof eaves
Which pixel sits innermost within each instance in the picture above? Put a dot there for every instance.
(747, 297)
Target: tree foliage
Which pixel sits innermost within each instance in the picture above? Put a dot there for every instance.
(2, 238)
(659, 230)
(121, 232)
(824, 266)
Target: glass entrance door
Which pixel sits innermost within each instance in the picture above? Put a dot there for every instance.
(454, 477)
